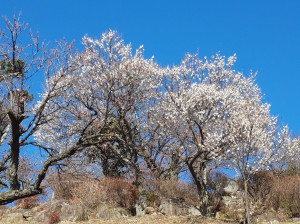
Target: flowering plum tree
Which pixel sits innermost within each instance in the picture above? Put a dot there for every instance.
(115, 89)
(257, 143)
(199, 103)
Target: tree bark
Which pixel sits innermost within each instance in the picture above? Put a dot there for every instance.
(11, 196)
(14, 152)
(200, 179)
(204, 203)
(246, 203)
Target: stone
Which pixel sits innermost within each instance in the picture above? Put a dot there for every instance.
(233, 200)
(139, 210)
(173, 206)
(232, 187)
(220, 215)
(296, 220)
(106, 213)
(60, 210)
(269, 216)
(230, 214)
(12, 218)
(149, 210)
(28, 215)
(194, 211)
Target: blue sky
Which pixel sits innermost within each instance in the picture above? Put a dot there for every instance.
(265, 35)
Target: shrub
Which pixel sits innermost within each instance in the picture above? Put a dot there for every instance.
(269, 191)
(261, 186)
(117, 192)
(61, 184)
(54, 218)
(28, 203)
(286, 195)
(157, 189)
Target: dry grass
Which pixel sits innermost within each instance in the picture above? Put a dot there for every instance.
(160, 219)
(157, 219)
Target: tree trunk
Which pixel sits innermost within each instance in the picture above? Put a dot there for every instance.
(204, 203)
(14, 152)
(200, 179)
(12, 196)
(246, 203)
(141, 201)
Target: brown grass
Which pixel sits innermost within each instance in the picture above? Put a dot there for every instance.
(158, 219)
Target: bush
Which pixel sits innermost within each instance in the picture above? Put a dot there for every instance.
(282, 193)
(28, 203)
(158, 189)
(286, 195)
(261, 187)
(54, 218)
(61, 184)
(116, 192)
(119, 191)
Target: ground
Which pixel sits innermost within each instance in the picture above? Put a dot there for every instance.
(160, 219)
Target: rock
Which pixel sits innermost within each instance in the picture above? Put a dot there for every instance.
(230, 214)
(60, 211)
(269, 217)
(139, 211)
(16, 216)
(173, 206)
(232, 187)
(149, 210)
(28, 215)
(194, 211)
(73, 213)
(12, 218)
(220, 215)
(105, 212)
(296, 220)
(233, 200)
(177, 207)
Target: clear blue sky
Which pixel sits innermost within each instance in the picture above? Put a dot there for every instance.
(265, 34)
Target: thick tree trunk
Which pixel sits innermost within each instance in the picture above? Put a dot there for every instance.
(141, 202)
(200, 179)
(14, 152)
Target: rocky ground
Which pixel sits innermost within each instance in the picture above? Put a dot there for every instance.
(17, 218)
(157, 219)
(64, 213)
(160, 219)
